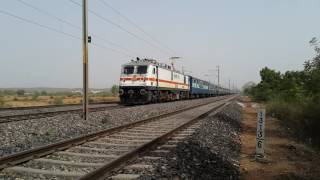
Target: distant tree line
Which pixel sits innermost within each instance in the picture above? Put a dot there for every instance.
(293, 96)
(21, 92)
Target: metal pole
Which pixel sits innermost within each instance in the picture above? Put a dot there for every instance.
(229, 86)
(218, 75)
(85, 58)
(172, 61)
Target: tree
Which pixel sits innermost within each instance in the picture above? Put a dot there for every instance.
(247, 87)
(44, 93)
(35, 95)
(268, 86)
(314, 63)
(115, 90)
(9, 92)
(1, 101)
(20, 92)
(58, 100)
(312, 72)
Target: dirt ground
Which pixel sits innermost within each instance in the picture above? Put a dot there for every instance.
(285, 158)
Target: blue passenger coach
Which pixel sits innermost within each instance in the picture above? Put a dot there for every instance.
(200, 88)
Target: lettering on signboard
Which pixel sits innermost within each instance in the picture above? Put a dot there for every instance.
(260, 137)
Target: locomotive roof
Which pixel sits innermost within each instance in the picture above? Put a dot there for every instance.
(145, 62)
(135, 63)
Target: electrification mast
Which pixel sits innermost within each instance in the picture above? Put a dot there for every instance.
(85, 58)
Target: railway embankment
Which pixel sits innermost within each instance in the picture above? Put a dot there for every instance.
(211, 152)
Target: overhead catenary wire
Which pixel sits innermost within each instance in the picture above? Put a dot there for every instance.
(38, 24)
(48, 14)
(122, 28)
(136, 25)
(126, 51)
(56, 30)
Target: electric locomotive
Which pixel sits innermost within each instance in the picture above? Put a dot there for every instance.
(146, 80)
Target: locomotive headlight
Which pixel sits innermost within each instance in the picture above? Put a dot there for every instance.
(143, 92)
(121, 91)
(131, 91)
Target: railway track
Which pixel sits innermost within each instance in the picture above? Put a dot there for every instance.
(95, 155)
(145, 164)
(54, 106)
(51, 113)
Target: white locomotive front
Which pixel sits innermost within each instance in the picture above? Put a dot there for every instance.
(146, 80)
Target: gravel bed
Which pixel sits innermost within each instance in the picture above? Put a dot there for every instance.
(56, 167)
(49, 109)
(18, 175)
(24, 135)
(102, 146)
(79, 159)
(212, 152)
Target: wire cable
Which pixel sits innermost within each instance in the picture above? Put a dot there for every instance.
(48, 14)
(38, 24)
(56, 30)
(135, 25)
(72, 25)
(120, 27)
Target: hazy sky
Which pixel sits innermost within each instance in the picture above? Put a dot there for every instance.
(240, 36)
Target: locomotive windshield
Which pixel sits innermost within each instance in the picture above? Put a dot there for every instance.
(142, 69)
(128, 70)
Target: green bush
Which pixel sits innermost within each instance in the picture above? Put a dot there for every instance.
(9, 92)
(311, 122)
(58, 100)
(91, 100)
(115, 90)
(20, 92)
(44, 93)
(103, 94)
(302, 117)
(35, 95)
(1, 102)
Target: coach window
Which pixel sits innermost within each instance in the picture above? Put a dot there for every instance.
(128, 70)
(154, 71)
(142, 69)
(184, 80)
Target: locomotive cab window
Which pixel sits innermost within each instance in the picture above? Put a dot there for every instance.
(142, 69)
(128, 70)
(154, 71)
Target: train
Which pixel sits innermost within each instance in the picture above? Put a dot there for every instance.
(148, 81)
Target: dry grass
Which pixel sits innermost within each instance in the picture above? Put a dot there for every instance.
(25, 101)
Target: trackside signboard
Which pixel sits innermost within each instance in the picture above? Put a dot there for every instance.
(260, 138)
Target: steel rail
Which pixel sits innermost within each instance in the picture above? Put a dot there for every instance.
(53, 106)
(29, 116)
